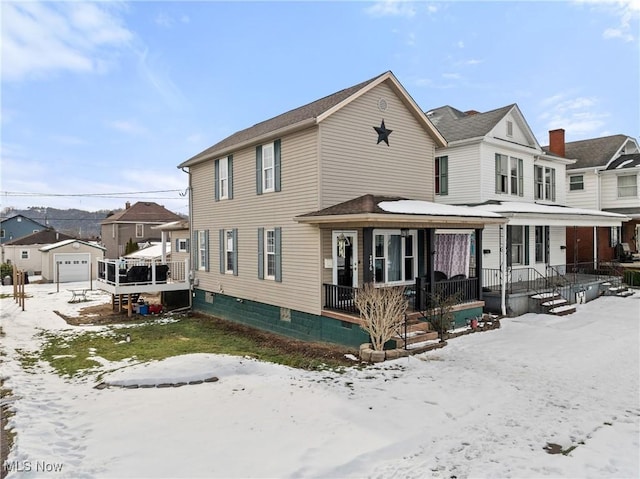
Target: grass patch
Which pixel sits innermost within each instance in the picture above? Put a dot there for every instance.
(70, 355)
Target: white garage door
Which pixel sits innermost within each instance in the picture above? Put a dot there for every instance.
(72, 266)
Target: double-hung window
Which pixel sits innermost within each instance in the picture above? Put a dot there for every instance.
(627, 186)
(270, 253)
(517, 176)
(203, 250)
(229, 251)
(576, 182)
(614, 236)
(139, 230)
(224, 178)
(516, 244)
(545, 179)
(442, 175)
(268, 167)
(502, 173)
(394, 256)
(182, 245)
(542, 243)
(24, 254)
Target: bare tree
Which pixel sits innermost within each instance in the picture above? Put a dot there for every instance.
(441, 314)
(382, 311)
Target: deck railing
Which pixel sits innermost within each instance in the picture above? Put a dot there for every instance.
(142, 272)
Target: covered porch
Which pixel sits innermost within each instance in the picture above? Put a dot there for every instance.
(431, 250)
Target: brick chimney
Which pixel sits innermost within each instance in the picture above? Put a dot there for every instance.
(556, 142)
(471, 112)
(127, 205)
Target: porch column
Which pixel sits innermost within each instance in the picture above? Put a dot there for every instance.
(367, 255)
(478, 234)
(163, 236)
(430, 241)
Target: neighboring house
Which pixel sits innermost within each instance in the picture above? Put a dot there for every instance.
(494, 160)
(290, 216)
(135, 223)
(17, 227)
(605, 177)
(25, 252)
(71, 260)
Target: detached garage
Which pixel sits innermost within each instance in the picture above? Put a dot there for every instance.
(70, 261)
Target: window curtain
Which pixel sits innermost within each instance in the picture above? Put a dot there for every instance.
(394, 260)
(452, 254)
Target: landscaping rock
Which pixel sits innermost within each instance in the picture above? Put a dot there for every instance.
(377, 356)
(392, 354)
(365, 354)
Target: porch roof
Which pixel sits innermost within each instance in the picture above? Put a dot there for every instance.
(520, 213)
(398, 212)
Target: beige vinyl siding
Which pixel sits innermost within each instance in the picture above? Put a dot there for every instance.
(586, 198)
(300, 288)
(352, 164)
(13, 253)
(465, 174)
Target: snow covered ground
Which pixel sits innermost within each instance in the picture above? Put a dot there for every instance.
(484, 406)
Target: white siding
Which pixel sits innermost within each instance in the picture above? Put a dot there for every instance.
(465, 174)
(586, 198)
(491, 241)
(609, 184)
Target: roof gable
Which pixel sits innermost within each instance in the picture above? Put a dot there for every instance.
(46, 236)
(309, 115)
(594, 152)
(14, 219)
(143, 212)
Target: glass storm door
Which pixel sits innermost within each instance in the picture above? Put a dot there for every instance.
(345, 258)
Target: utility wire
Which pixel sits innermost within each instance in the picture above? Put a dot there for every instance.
(102, 195)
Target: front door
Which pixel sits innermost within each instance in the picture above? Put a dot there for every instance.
(345, 258)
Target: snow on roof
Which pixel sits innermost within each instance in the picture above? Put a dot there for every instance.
(420, 207)
(535, 208)
(67, 242)
(150, 252)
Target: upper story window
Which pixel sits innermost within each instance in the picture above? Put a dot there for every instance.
(24, 254)
(113, 230)
(509, 175)
(509, 128)
(545, 179)
(268, 167)
(224, 178)
(627, 186)
(442, 175)
(139, 230)
(576, 182)
(182, 245)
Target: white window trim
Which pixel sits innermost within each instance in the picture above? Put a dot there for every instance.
(267, 253)
(24, 254)
(634, 187)
(113, 230)
(228, 248)
(182, 245)
(521, 245)
(386, 234)
(223, 180)
(576, 183)
(502, 174)
(268, 147)
(202, 250)
(141, 234)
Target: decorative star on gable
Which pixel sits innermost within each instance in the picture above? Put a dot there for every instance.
(383, 133)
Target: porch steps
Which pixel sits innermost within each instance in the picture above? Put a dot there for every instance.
(553, 303)
(417, 332)
(563, 310)
(115, 300)
(620, 291)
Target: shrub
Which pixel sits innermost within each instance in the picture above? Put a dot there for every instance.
(382, 311)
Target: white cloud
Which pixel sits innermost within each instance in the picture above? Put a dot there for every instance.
(39, 39)
(159, 80)
(626, 11)
(451, 76)
(578, 116)
(393, 8)
(130, 127)
(68, 140)
(460, 44)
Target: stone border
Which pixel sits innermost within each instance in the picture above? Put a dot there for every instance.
(105, 385)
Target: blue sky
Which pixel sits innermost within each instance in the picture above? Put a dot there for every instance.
(108, 98)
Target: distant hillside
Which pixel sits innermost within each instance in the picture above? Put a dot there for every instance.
(78, 223)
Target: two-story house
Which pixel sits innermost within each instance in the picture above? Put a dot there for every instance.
(18, 226)
(135, 223)
(290, 216)
(604, 177)
(493, 160)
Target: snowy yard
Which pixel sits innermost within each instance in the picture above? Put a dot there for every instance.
(484, 406)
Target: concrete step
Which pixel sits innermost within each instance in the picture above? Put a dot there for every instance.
(563, 310)
(415, 338)
(544, 296)
(555, 302)
(617, 289)
(625, 294)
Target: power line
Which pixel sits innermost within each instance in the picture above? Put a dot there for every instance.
(100, 195)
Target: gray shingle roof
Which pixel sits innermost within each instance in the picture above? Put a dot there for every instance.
(593, 152)
(359, 205)
(297, 115)
(46, 236)
(143, 212)
(625, 161)
(456, 125)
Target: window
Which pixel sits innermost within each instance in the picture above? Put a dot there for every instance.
(182, 245)
(394, 256)
(576, 182)
(517, 177)
(442, 175)
(268, 167)
(224, 178)
(24, 254)
(627, 186)
(2, 233)
(113, 230)
(542, 243)
(515, 240)
(614, 236)
(270, 254)
(139, 230)
(203, 250)
(545, 179)
(502, 173)
(229, 252)
(509, 128)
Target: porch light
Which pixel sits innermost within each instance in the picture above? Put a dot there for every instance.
(404, 232)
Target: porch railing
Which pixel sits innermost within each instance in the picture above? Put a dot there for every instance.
(141, 272)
